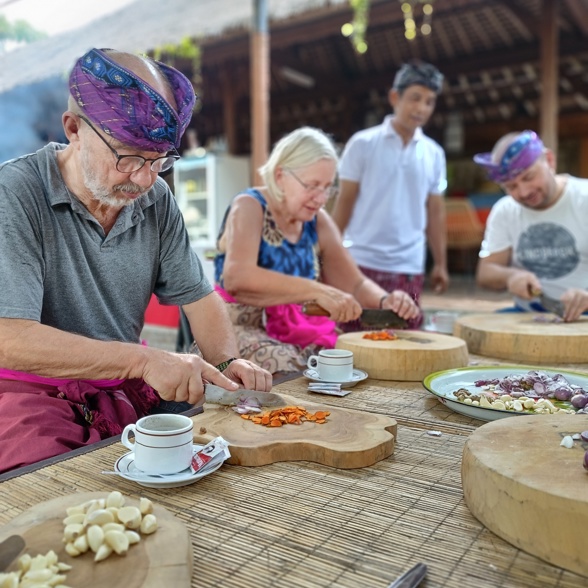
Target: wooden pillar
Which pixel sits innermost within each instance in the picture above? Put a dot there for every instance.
(549, 109)
(229, 110)
(260, 91)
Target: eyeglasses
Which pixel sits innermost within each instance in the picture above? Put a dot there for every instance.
(127, 164)
(313, 190)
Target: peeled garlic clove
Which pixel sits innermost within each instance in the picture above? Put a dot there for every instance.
(71, 550)
(133, 537)
(74, 519)
(103, 552)
(115, 499)
(118, 541)
(148, 524)
(113, 527)
(37, 576)
(567, 442)
(99, 517)
(145, 506)
(95, 536)
(70, 533)
(81, 543)
(130, 517)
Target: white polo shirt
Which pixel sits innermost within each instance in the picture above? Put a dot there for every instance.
(386, 231)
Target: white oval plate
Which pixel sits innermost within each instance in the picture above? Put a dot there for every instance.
(358, 376)
(125, 467)
(443, 384)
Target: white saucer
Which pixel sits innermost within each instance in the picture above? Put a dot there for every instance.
(358, 376)
(125, 467)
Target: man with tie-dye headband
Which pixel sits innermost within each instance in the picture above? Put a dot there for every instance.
(536, 239)
(88, 232)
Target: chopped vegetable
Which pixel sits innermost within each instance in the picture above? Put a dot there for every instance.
(383, 335)
(289, 415)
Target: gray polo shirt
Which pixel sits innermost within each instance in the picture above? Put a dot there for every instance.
(58, 267)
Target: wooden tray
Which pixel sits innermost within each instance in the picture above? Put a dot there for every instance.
(519, 482)
(411, 357)
(349, 438)
(519, 337)
(163, 558)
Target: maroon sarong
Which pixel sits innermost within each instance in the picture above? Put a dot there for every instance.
(39, 421)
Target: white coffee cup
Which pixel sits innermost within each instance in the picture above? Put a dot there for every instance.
(443, 321)
(333, 365)
(163, 443)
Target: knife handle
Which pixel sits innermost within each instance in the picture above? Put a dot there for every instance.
(314, 309)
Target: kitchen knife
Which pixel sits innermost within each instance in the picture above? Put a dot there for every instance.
(9, 549)
(372, 318)
(218, 395)
(552, 305)
(412, 578)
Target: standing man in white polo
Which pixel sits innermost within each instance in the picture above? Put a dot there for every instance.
(393, 178)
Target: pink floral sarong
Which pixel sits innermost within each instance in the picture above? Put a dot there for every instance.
(282, 341)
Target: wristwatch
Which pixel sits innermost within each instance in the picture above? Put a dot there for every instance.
(221, 367)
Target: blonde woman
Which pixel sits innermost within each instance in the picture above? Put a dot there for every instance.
(278, 248)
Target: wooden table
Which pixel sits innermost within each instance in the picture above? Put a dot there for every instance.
(300, 524)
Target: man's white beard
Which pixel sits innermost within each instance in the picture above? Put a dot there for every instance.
(104, 195)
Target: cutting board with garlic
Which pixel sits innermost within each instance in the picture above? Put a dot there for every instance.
(158, 554)
(525, 337)
(408, 358)
(346, 439)
(524, 479)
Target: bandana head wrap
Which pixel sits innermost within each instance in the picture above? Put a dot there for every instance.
(422, 74)
(128, 108)
(522, 152)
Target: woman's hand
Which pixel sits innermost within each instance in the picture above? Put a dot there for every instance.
(402, 304)
(342, 307)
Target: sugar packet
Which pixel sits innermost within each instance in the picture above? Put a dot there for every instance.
(213, 453)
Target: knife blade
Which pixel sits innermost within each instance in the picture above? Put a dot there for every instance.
(217, 395)
(552, 305)
(9, 549)
(373, 318)
(411, 578)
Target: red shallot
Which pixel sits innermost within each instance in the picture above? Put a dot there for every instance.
(247, 405)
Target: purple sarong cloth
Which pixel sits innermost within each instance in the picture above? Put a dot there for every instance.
(42, 420)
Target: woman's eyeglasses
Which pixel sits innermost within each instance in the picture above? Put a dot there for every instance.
(313, 190)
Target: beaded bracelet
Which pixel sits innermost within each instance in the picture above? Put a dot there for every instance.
(221, 367)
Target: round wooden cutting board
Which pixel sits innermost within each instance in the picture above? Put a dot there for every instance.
(520, 336)
(411, 357)
(163, 558)
(520, 483)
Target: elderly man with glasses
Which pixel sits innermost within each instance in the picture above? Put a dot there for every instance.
(88, 232)
(536, 239)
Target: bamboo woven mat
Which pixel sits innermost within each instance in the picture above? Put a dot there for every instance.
(300, 524)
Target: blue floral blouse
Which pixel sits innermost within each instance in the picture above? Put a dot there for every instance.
(275, 251)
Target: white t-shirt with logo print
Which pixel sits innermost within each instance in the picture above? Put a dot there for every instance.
(551, 243)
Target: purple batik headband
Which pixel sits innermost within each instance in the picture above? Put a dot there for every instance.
(126, 107)
(522, 153)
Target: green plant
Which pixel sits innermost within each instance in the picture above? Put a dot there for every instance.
(357, 28)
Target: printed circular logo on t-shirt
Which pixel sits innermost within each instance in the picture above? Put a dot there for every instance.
(548, 250)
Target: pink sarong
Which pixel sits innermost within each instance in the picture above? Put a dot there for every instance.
(288, 324)
(44, 417)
